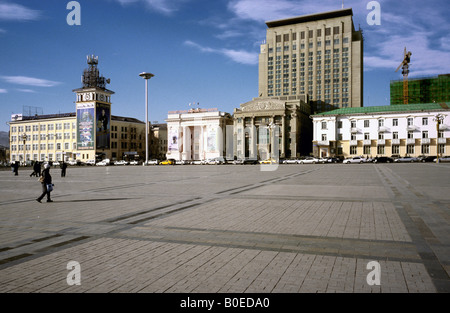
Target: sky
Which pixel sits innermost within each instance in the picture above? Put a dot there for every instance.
(200, 51)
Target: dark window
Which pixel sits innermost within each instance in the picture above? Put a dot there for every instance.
(319, 32)
(335, 30)
(327, 31)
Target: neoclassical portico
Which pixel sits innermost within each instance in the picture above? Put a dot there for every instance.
(272, 127)
(197, 134)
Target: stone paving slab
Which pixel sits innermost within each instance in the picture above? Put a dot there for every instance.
(229, 229)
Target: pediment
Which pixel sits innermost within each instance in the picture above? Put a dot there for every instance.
(262, 105)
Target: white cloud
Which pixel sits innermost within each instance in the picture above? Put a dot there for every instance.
(425, 60)
(166, 7)
(3, 90)
(238, 56)
(267, 10)
(26, 90)
(29, 81)
(17, 12)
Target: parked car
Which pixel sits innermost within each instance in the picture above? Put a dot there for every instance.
(153, 162)
(90, 162)
(291, 161)
(73, 162)
(102, 163)
(134, 162)
(406, 159)
(430, 158)
(356, 159)
(383, 160)
(245, 161)
(215, 161)
(332, 160)
(443, 159)
(121, 162)
(56, 163)
(197, 162)
(168, 162)
(268, 161)
(180, 162)
(309, 160)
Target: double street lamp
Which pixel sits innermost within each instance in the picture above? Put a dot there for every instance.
(439, 119)
(146, 76)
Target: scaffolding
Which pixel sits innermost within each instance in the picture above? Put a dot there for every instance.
(422, 90)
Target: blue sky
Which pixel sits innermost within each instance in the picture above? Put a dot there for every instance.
(203, 51)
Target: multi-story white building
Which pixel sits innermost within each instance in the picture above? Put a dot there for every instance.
(383, 131)
(198, 134)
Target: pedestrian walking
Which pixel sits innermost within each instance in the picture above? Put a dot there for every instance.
(63, 169)
(16, 168)
(36, 169)
(47, 186)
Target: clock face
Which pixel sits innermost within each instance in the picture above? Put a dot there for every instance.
(102, 97)
(87, 96)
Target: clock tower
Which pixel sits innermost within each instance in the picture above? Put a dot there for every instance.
(93, 106)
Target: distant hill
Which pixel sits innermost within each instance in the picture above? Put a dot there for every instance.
(4, 139)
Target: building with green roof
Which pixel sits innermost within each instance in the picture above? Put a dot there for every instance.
(390, 130)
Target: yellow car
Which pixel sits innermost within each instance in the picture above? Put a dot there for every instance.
(168, 162)
(268, 161)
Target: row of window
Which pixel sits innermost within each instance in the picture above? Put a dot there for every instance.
(42, 127)
(318, 32)
(318, 44)
(36, 137)
(59, 126)
(43, 146)
(381, 122)
(381, 135)
(66, 145)
(395, 149)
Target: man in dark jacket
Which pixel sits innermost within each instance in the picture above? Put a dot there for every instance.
(36, 169)
(47, 186)
(63, 169)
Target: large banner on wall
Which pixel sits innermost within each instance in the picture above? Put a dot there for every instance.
(103, 125)
(85, 126)
(173, 140)
(211, 144)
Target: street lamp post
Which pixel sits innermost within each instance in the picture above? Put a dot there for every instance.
(24, 138)
(438, 119)
(146, 76)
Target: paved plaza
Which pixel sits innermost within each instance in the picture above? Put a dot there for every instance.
(229, 229)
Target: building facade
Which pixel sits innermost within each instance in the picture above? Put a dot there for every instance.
(383, 131)
(422, 90)
(158, 141)
(198, 134)
(320, 55)
(90, 133)
(54, 138)
(272, 128)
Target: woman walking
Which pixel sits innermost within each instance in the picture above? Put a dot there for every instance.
(47, 186)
